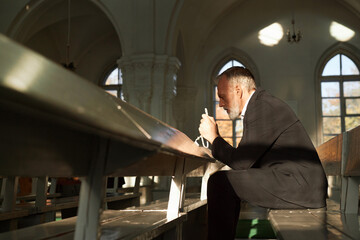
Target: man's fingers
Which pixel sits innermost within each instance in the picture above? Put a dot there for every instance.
(212, 119)
(204, 116)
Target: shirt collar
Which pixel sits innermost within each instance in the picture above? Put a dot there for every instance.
(242, 115)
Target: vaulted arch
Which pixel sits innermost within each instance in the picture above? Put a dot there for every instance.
(44, 26)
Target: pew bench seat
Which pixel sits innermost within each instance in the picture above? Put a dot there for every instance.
(32, 197)
(320, 224)
(119, 200)
(144, 222)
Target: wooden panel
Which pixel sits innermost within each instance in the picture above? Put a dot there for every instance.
(352, 167)
(330, 155)
(123, 156)
(46, 148)
(191, 164)
(160, 164)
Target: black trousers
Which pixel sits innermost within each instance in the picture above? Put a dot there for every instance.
(225, 191)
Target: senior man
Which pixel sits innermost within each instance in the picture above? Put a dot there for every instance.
(275, 164)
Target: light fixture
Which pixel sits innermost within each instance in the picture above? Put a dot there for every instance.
(293, 37)
(69, 65)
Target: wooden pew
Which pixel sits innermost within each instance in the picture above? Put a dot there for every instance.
(28, 209)
(339, 157)
(330, 155)
(66, 127)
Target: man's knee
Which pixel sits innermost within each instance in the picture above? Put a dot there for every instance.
(218, 181)
(217, 177)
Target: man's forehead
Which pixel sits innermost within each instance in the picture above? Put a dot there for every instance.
(223, 84)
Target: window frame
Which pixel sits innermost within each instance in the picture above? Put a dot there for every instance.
(114, 87)
(339, 79)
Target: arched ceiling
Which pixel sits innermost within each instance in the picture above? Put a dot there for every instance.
(353, 5)
(198, 19)
(93, 36)
(93, 39)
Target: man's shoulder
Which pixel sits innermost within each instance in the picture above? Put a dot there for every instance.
(268, 103)
(264, 96)
(262, 93)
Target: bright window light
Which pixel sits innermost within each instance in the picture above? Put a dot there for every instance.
(271, 35)
(340, 32)
(229, 64)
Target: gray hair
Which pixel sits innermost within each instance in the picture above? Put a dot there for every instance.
(239, 75)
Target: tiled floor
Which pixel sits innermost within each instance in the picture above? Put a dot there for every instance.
(249, 211)
(252, 212)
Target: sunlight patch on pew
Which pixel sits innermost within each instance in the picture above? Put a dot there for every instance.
(26, 72)
(134, 122)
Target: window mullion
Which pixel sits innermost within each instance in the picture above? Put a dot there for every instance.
(342, 104)
(229, 63)
(234, 132)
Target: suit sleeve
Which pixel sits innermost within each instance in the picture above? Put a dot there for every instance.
(263, 124)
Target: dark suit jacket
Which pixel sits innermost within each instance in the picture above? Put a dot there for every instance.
(275, 142)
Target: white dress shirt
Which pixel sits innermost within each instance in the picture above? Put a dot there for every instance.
(242, 115)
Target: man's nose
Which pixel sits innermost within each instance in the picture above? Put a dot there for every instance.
(221, 103)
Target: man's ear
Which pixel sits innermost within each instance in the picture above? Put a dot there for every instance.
(238, 90)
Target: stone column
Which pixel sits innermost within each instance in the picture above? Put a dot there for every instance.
(170, 89)
(158, 84)
(150, 83)
(184, 99)
(137, 76)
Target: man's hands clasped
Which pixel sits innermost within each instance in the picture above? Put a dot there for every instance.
(208, 128)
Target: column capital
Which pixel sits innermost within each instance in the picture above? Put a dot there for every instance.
(150, 82)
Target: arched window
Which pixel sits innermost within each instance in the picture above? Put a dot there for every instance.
(113, 83)
(230, 130)
(340, 96)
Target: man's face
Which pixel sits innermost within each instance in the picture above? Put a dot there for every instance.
(229, 99)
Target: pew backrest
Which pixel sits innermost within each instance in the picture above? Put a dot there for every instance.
(330, 155)
(351, 153)
(340, 156)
